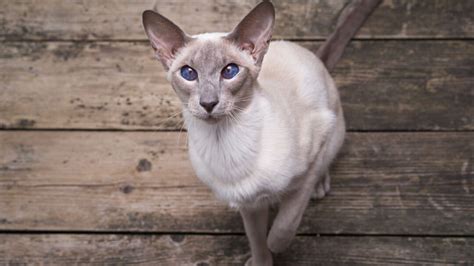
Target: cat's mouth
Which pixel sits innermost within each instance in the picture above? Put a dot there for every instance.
(209, 118)
(213, 118)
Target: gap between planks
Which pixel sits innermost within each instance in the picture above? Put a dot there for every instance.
(210, 233)
(184, 130)
(382, 39)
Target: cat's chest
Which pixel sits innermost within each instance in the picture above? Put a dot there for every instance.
(224, 154)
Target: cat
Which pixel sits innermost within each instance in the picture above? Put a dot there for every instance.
(264, 120)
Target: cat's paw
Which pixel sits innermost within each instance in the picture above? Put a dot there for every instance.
(279, 238)
(268, 261)
(322, 188)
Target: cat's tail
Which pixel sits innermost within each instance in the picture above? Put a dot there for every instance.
(348, 23)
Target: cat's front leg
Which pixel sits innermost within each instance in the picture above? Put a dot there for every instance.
(291, 211)
(255, 223)
(288, 219)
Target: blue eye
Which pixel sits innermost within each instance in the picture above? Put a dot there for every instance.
(188, 73)
(230, 71)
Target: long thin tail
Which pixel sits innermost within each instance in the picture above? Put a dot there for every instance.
(348, 23)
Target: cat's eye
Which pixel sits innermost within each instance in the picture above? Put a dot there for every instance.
(188, 73)
(230, 71)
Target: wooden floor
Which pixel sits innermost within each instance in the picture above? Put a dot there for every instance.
(94, 168)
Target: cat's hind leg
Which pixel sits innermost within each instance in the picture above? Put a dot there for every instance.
(322, 188)
(291, 211)
(293, 205)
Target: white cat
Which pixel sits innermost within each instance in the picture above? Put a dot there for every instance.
(264, 120)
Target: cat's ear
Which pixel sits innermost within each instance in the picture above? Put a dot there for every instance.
(166, 38)
(254, 32)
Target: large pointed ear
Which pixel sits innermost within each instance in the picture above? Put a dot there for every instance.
(165, 37)
(254, 32)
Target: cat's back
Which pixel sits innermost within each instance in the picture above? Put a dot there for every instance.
(286, 52)
(291, 70)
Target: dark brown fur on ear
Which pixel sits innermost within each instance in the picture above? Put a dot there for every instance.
(165, 37)
(254, 32)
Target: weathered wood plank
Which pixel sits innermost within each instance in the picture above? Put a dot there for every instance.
(411, 85)
(121, 20)
(383, 183)
(64, 249)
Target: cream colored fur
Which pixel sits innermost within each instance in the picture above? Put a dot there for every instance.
(272, 134)
(259, 157)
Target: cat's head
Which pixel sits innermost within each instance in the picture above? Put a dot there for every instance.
(213, 73)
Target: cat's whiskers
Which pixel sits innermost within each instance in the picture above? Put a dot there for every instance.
(163, 121)
(179, 134)
(244, 100)
(238, 108)
(235, 119)
(190, 124)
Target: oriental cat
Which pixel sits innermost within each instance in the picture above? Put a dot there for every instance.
(264, 120)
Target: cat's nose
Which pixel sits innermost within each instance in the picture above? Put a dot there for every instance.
(208, 105)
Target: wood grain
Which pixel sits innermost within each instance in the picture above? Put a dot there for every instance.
(383, 183)
(86, 65)
(64, 249)
(121, 19)
(409, 85)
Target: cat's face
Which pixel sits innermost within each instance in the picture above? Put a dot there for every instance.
(213, 77)
(213, 74)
